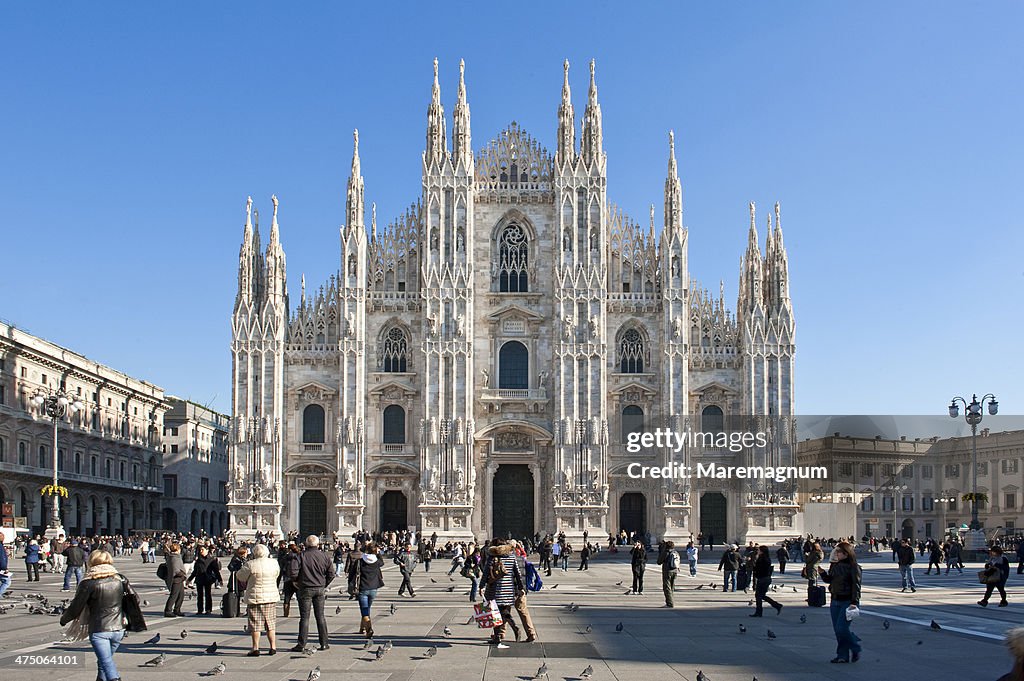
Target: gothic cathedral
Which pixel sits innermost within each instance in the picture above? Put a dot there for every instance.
(475, 368)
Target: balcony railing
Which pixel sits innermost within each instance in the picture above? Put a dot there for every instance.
(312, 447)
(515, 394)
(396, 448)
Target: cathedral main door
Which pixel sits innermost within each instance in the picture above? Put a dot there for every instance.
(312, 513)
(713, 516)
(632, 512)
(394, 511)
(513, 501)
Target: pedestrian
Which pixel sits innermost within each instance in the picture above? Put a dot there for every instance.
(172, 571)
(57, 547)
(521, 592)
(905, 559)
(934, 557)
(762, 575)
(74, 559)
(457, 560)
(503, 582)
(311, 572)
(261, 596)
(691, 558)
(103, 602)
(844, 580)
(700, 538)
(286, 554)
(813, 555)
(711, 542)
(205, 573)
(339, 559)
(565, 553)
(426, 554)
(151, 551)
(5, 573)
(1015, 642)
(584, 558)
(638, 564)
(953, 556)
(406, 562)
(783, 557)
(32, 558)
(728, 565)
(556, 554)
(473, 571)
(1020, 559)
(144, 549)
(995, 574)
(365, 579)
(668, 559)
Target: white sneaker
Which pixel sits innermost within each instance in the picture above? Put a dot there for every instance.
(501, 646)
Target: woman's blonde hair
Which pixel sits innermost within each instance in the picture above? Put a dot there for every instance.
(100, 558)
(260, 551)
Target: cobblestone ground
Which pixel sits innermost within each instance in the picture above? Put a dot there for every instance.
(701, 633)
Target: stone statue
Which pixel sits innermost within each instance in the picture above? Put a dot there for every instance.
(675, 266)
(350, 325)
(460, 326)
(487, 378)
(542, 379)
(677, 327)
(460, 478)
(432, 326)
(470, 431)
(569, 323)
(349, 431)
(349, 478)
(460, 242)
(595, 476)
(567, 479)
(239, 474)
(457, 428)
(433, 239)
(352, 265)
(567, 241)
(595, 325)
(265, 478)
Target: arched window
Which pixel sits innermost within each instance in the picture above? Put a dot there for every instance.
(42, 457)
(394, 425)
(313, 424)
(394, 351)
(631, 352)
(514, 366)
(712, 420)
(22, 453)
(513, 259)
(632, 421)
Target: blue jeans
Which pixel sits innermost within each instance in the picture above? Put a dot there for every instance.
(339, 569)
(846, 640)
(693, 568)
(366, 600)
(5, 583)
(907, 573)
(105, 644)
(473, 588)
(565, 562)
(729, 578)
(76, 571)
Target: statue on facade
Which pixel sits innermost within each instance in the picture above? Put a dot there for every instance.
(432, 326)
(569, 325)
(460, 478)
(349, 476)
(542, 379)
(487, 378)
(595, 477)
(239, 475)
(350, 325)
(460, 326)
(567, 479)
(352, 265)
(675, 266)
(677, 327)
(567, 241)
(595, 325)
(265, 478)
(349, 432)
(460, 242)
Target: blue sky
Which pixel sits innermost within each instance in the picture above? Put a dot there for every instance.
(890, 132)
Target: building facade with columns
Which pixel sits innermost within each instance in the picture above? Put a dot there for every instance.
(108, 453)
(475, 366)
(195, 474)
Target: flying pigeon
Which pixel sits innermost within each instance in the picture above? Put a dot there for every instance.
(542, 670)
(935, 625)
(743, 629)
(314, 674)
(885, 624)
(619, 627)
(212, 648)
(588, 672)
(184, 634)
(156, 661)
(216, 671)
(447, 631)
(431, 651)
(153, 641)
(771, 634)
(803, 619)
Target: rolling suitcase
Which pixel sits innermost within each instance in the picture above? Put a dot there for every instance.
(229, 604)
(742, 580)
(816, 597)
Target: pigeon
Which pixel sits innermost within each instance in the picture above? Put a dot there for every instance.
(307, 651)
(589, 629)
(368, 644)
(314, 674)
(145, 602)
(700, 587)
(712, 585)
(701, 676)
(618, 583)
(571, 607)
(153, 641)
(750, 602)
(627, 592)
(431, 651)
(743, 629)
(542, 670)
(216, 671)
(451, 579)
(337, 611)
(588, 672)
(935, 625)
(886, 625)
(554, 587)
(803, 619)
(619, 627)
(212, 648)
(771, 634)
(794, 589)
(184, 634)
(433, 581)
(394, 608)
(470, 620)
(157, 661)
(388, 645)
(447, 631)
(379, 655)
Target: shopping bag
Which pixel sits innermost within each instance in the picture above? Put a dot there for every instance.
(487, 615)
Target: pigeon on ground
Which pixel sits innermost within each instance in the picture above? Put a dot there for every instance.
(803, 619)
(153, 641)
(470, 620)
(701, 586)
(394, 608)
(714, 586)
(886, 625)
(212, 648)
(542, 670)
(156, 661)
(619, 627)
(431, 651)
(184, 634)
(794, 589)
(388, 645)
(750, 602)
(627, 592)
(368, 644)
(771, 634)
(935, 625)
(588, 672)
(145, 602)
(216, 671)
(451, 579)
(314, 674)
(307, 651)
(554, 587)
(743, 629)
(618, 583)
(447, 631)
(337, 611)
(433, 581)
(589, 629)
(379, 655)
(701, 676)
(451, 588)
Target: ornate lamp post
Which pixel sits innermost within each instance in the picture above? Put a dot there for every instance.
(946, 498)
(973, 414)
(894, 488)
(56, 404)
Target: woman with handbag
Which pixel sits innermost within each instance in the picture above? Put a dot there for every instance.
(105, 605)
(844, 580)
(994, 576)
(365, 578)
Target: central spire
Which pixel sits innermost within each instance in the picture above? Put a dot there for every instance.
(673, 190)
(591, 143)
(437, 143)
(354, 198)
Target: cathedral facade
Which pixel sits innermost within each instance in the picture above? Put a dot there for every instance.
(476, 367)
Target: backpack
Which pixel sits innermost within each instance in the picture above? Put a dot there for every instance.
(496, 571)
(673, 560)
(188, 556)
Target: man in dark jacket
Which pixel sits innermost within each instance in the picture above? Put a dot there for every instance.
(406, 562)
(5, 573)
(728, 565)
(783, 557)
(905, 558)
(173, 574)
(668, 559)
(205, 573)
(311, 572)
(584, 558)
(75, 557)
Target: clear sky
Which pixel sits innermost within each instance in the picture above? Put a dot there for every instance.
(892, 134)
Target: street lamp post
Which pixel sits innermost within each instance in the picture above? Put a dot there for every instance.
(582, 454)
(973, 414)
(56, 404)
(892, 487)
(944, 501)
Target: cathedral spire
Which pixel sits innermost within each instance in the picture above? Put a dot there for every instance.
(275, 236)
(752, 274)
(566, 123)
(245, 258)
(437, 144)
(275, 287)
(462, 148)
(673, 190)
(354, 199)
(591, 143)
(302, 299)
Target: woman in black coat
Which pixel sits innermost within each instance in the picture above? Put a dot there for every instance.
(638, 563)
(365, 578)
(997, 565)
(844, 579)
(762, 575)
